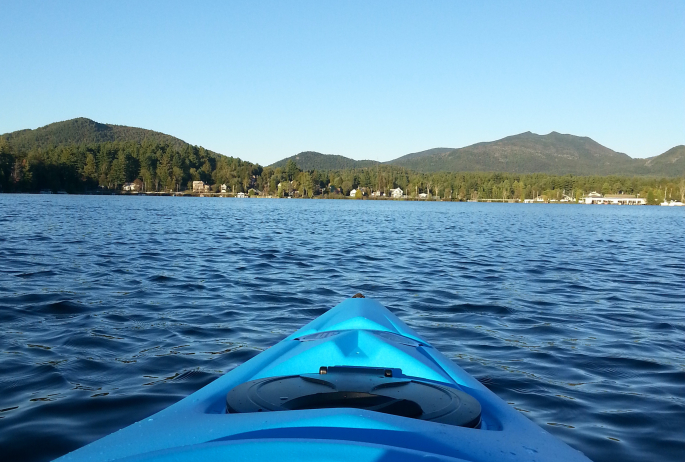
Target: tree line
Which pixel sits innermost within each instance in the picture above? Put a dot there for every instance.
(159, 166)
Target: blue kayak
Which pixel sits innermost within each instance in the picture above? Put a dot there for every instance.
(355, 384)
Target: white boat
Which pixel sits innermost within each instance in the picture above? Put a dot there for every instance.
(672, 203)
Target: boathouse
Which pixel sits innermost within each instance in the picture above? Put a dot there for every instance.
(613, 199)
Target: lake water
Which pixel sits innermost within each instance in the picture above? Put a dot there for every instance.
(113, 308)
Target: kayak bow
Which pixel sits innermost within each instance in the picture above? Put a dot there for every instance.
(355, 384)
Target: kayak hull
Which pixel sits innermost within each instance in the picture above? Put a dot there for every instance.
(357, 332)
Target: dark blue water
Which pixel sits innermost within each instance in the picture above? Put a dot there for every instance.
(113, 308)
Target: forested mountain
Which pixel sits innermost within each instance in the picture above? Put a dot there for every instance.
(310, 160)
(82, 155)
(59, 159)
(417, 155)
(670, 163)
(107, 166)
(85, 131)
(554, 153)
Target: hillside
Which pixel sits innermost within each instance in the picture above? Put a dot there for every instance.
(310, 160)
(670, 163)
(83, 156)
(554, 153)
(417, 155)
(84, 131)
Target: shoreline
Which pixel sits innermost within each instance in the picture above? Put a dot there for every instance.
(232, 196)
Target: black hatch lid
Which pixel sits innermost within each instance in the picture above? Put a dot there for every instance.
(373, 389)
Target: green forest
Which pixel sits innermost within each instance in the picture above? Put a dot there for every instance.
(169, 167)
(310, 160)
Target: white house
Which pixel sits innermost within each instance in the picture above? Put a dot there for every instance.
(396, 193)
(423, 195)
(613, 199)
(224, 188)
(240, 195)
(624, 199)
(593, 196)
(353, 193)
(131, 187)
(198, 186)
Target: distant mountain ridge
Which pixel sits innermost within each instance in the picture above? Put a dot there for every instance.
(673, 159)
(85, 131)
(554, 153)
(420, 154)
(311, 160)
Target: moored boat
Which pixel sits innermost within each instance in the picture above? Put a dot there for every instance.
(672, 203)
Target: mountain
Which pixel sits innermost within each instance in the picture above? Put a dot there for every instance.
(84, 131)
(554, 153)
(417, 155)
(310, 160)
(670, 163)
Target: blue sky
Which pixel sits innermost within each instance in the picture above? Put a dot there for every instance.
(367, 80)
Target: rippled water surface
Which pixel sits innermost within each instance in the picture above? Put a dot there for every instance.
(113, 308)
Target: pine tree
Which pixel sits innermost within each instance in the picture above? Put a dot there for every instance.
(90, 169)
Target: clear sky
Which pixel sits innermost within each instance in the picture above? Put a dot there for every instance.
(364, 79)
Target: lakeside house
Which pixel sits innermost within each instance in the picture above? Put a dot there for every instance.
(423, 195)
(396, 193)
(200, 186)
(594, 195)
(240, 195)
(612, 199)
(224, 188)
(131, 187)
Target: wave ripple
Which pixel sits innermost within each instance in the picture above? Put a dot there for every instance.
(113, 308)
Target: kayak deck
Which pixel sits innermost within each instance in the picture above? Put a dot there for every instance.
(358, 332)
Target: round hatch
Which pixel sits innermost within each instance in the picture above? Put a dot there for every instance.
(357, 387)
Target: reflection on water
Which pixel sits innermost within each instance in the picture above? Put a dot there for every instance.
(115, 307)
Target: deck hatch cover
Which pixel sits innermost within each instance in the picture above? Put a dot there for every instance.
(360, 388)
